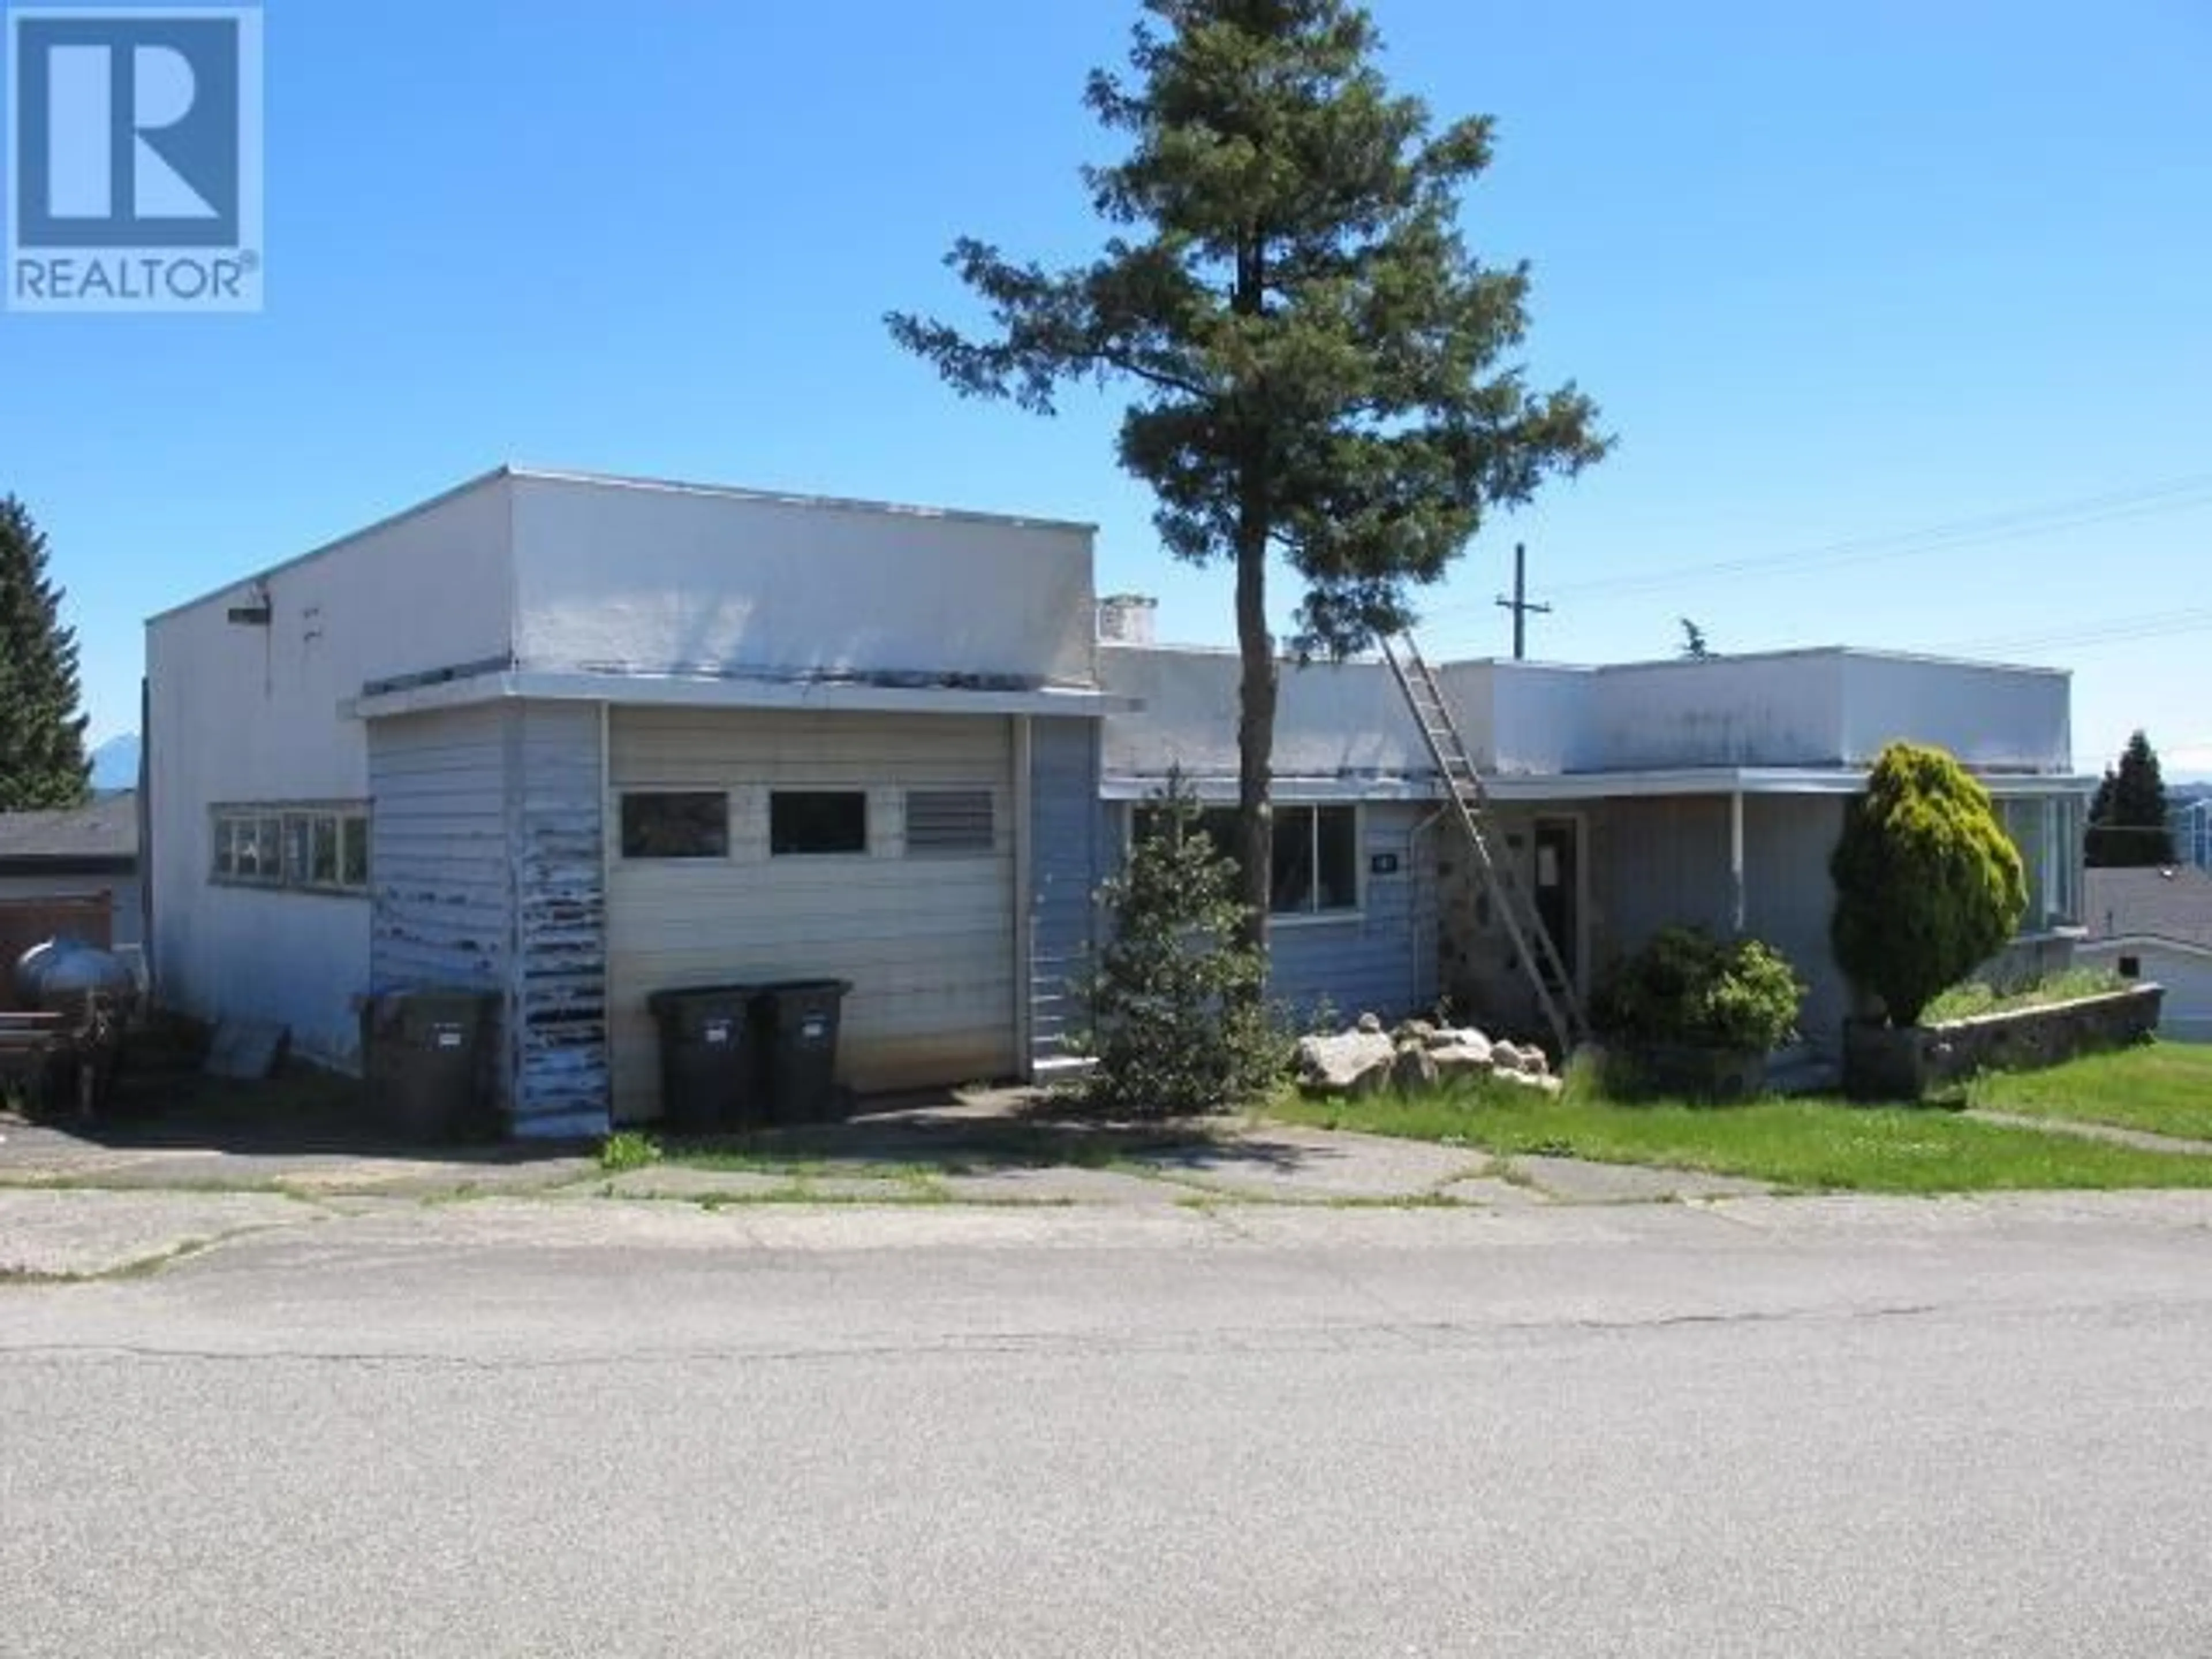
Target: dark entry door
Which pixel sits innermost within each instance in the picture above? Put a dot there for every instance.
(1558, 880)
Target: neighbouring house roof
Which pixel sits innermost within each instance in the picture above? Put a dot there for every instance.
(2172, 903)
(104, 834)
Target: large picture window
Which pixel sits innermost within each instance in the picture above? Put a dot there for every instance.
(1315, 868)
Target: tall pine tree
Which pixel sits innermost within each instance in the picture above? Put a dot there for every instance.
(1323, 372)
(2128, 825)
(42, 760)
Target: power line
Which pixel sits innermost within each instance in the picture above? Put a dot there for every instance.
(2175, 495)
(2116, 630)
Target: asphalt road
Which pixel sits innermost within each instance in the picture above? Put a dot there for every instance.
(1801, 1429)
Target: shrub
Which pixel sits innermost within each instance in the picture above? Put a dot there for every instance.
(1178, 1021)
(627, 1149)
(1928, 884)
(1685, 987)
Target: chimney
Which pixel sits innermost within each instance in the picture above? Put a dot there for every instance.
(1128, 619)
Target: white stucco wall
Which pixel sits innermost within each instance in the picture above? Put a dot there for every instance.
(247, 714)
(1541, 718)
(1995, 718)
(1332, 720)
(660, 578)
(1809, 709)
(1743, 711)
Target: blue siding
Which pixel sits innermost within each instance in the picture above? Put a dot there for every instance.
(487, 873)
(558, 994)
(440, 880)
(1384, 960)
(1070, 855)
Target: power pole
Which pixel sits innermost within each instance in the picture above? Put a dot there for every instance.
(1519, 606)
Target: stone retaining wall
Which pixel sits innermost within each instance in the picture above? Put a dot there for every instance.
(1883, 1064)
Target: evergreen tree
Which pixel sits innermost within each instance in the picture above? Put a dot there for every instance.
(1321, 367)
(1177, 1022)
(42, 759)
(1928, 884)
(2128, 825)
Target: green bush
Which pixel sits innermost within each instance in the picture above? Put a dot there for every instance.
(1685, 987)
(1928, 884)
(1179, 1024)
(628, 1149)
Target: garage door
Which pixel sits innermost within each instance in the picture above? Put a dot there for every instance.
(876, 849)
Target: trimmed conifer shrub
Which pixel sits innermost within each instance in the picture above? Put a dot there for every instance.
(1928, 884)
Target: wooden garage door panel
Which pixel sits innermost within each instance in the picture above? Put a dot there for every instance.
(927, 941)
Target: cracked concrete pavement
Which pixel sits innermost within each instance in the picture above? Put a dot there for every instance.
(1811, 1427)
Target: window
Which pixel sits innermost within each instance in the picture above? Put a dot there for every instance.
(2040, 828)
(1316, 860)
(676, 824)
(949, 821)
(322, 849)
(353, 851)
(809, 822)
(1316, 856)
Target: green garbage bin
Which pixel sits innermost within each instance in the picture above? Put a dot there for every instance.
(799, 1020)
(422, 1056)
(707, 1057)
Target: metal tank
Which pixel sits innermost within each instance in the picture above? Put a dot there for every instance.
(65, 971)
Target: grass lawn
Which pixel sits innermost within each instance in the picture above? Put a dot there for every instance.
(2164, 1087)
(1814, 1144)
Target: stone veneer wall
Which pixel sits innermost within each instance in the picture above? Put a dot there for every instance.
(1883, 1064)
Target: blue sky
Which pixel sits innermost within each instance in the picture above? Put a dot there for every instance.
(1899, 312)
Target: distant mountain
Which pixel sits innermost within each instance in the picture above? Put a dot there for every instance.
(115, 763)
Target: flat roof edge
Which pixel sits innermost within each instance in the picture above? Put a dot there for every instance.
(797, 498)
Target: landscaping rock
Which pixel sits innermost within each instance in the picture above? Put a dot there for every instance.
(1506, 1057)
(1358, 1062)
(1415, 1030)
(1462, 1060)
(1370, 1025)
(1547, 1085)
(1414, 1069)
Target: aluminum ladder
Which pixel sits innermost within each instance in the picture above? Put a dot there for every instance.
(1524, 925)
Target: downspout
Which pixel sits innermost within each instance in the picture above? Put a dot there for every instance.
(1739, 898)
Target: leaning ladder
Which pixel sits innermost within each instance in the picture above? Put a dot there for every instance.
(1524, 926)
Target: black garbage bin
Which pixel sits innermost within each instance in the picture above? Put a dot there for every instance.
(707, 1058)
(799, 1019)
(423, 1058)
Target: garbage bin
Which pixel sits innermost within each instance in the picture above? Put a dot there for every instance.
(422, 1054)
(799, 1020)
(707, 1057)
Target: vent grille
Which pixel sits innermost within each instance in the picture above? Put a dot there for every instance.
(946, 820)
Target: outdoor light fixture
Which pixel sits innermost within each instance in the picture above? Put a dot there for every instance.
(258, 614)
